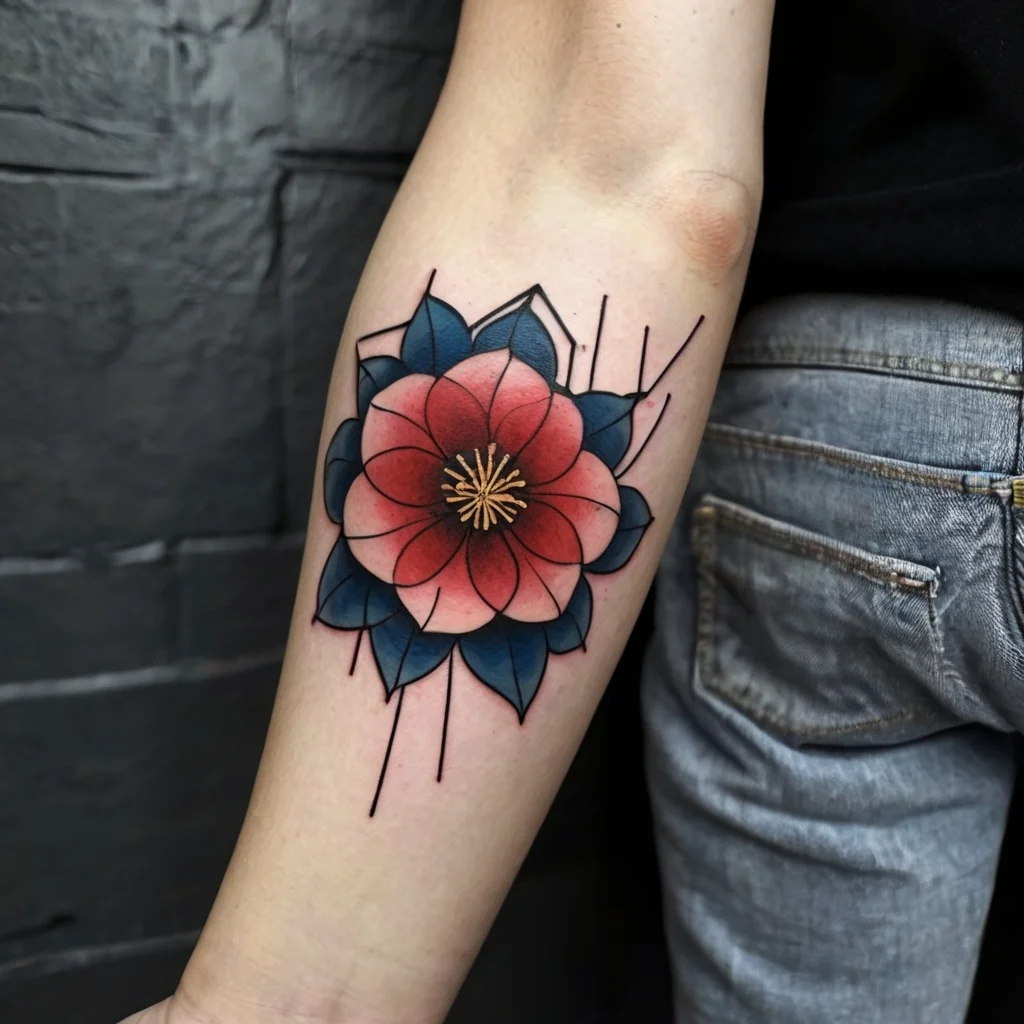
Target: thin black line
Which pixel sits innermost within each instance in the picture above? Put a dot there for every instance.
(597, 343)
(408, 419)
(643, 359)
(679, 352)
(383, 330)
(469, 569)
(359, 638)
(539, 499)
(640, 450)
(561, 323)
(515, 675)
(447, 710)
(400, 448)
(430, 322)
(540, 578)
(399, 685)
(494, 393)
(393, 529)
(387, 753)
(540, 495)
(331, 593)
(554, 312)
(430, 280)
(505, 305)
(525, 405)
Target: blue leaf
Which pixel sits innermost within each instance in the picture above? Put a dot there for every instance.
(349, 596)
(341, 466)
(436, 339)
(404, 653)
(510, 658)
(607, 424)
(525, 336)
(375, 374)
(570, 629)
(634, 518)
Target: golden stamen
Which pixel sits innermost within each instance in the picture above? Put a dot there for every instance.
(482, 495)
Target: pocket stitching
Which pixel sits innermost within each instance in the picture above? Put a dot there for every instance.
(705, 550)
(875, 568)
(886, 469)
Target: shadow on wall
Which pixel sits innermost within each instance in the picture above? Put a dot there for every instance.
(188, 190)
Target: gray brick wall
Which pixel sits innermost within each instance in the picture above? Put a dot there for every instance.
(188, 190)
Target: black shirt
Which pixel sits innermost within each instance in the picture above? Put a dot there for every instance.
(894, 151)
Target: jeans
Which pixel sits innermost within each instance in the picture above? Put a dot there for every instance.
(837, 673)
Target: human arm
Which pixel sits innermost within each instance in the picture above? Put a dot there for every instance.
(600, 149)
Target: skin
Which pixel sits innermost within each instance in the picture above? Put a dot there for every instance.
(597, 147)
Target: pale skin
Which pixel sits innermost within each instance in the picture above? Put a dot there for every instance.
(599, 148)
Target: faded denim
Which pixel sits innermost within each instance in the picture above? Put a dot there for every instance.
(838, 666)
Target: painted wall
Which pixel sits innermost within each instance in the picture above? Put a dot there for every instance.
(188, 189)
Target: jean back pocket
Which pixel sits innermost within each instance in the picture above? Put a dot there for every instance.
(817, 641)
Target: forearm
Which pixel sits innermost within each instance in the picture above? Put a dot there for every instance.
(552, 177)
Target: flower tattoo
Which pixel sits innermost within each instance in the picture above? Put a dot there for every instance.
(476, 492)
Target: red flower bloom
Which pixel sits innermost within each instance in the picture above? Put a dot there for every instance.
(475, 496)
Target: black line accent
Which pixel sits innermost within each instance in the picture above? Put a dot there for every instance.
(515, 676)
(525, 405)
(394, 529)
(408, 419)
(494, 393)
(640, 450)
(459, 384)
(359, 637)
(539, 499)
(383, 330)
(430, 321)
(430, 280)
(643, 359)
(533, 569)
(541, 495)
(320, 604)
(387, 753)
(531, 291)
(447, 711)
(400, 448)
(451, 558)
(597, 343)
(679, 352)
(561, 323)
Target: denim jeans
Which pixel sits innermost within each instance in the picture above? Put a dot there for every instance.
(837, 672)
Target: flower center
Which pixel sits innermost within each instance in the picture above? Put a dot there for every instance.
(484, 492)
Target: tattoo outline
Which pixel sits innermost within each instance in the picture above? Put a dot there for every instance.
(474, 493)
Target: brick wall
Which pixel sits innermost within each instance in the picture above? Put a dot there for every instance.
(188, 189)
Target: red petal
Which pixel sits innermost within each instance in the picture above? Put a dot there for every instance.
(546, 532)
(589, 497)
(396, 417)
(520, 426)
(377, 528)
(555, 445)
(544, 588)
(456, 418)
(518, 385)
(448, 602)
(480, 374)
(492, 568)
(410, 476)
(428, 552)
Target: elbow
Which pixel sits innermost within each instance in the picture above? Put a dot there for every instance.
(712, 217)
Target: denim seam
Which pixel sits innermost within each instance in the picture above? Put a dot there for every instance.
(966, 374)
(704, 546)
(776, 444)
(823, 553)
